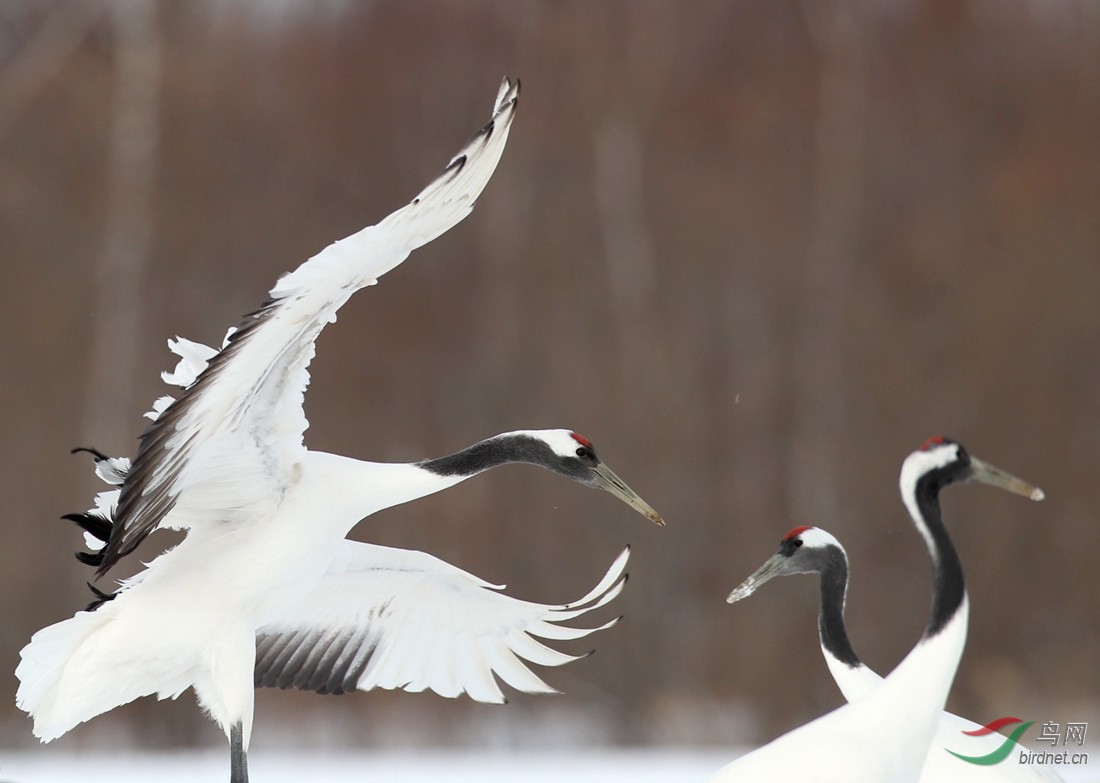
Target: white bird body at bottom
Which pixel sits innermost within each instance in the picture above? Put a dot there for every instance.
(857, 682)
(193, 613)
(852, 744)
(193, 616)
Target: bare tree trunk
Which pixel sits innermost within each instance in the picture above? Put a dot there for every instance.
(43, 56)
(120, 270)
(840, 32)
(620, 167)
(627, 246)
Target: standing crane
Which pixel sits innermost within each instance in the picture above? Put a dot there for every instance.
(884, 737)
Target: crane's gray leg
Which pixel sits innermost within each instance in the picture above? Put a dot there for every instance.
(238, 757)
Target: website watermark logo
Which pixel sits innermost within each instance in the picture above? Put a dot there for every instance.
(1074, 733)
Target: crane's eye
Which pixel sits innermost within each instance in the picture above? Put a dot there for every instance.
(585, 453)
(798, 542)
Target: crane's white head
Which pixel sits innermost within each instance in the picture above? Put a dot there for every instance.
(804, 550)
(941, 461)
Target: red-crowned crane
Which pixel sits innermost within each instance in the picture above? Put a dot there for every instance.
(266, 589)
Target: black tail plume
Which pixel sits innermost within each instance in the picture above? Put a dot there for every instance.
(95, 524)
(99, 455)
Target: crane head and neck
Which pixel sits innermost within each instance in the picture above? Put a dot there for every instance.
(561, 451)
(939, 463)
(811, 550)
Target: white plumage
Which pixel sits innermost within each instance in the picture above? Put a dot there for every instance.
(265, 567)
(332, 641)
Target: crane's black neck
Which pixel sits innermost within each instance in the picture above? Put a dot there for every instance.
(490, 453)
(830, 619)
(948, 587)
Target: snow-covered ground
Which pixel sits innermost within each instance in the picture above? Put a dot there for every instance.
(433, 766)
(563, 766)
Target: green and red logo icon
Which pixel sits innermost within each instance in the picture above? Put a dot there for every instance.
(1051, 733)
(1006, 747)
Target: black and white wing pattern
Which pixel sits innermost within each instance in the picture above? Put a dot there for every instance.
(226, 449)
(395, 618)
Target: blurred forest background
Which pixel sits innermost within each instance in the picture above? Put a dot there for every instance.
(756, 250)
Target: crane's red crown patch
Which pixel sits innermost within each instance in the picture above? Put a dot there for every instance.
(581, 440)
(931, 443)
(797, 531)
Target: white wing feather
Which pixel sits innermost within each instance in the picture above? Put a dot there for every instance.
(395, 618)
(226, 449)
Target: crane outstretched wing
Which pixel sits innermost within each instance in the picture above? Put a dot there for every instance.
(228, 446)
(395, 618)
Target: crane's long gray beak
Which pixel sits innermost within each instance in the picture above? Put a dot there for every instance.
(988, 474)
(759, 577)
(606, 479)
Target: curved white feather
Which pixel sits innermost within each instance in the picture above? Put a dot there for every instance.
(395, 618)
(194, 358)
